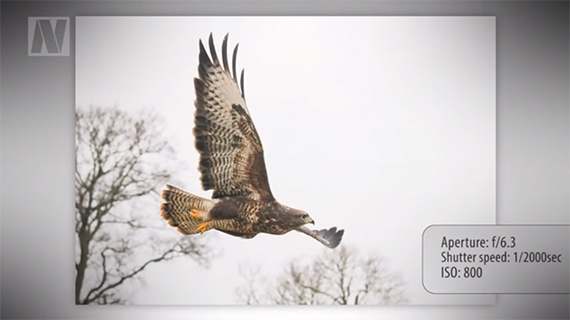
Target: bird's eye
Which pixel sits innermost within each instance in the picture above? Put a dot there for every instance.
(305, 216)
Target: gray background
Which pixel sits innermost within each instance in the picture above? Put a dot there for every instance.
(37, 151)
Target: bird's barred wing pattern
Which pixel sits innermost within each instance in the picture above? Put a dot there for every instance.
(330, 238)
(231, 154)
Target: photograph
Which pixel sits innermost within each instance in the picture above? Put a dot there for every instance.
(276, 160)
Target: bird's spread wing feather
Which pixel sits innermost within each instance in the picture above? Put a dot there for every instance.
(231, 154)
(330, 238)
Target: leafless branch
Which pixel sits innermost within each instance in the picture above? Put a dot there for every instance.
(121, 163)
(341, 277)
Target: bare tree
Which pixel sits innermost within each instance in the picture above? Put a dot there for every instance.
(122, 161)
(340, 276)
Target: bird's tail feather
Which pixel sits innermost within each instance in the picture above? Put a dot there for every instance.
(178, 206)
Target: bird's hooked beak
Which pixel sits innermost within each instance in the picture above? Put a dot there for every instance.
(310, 220)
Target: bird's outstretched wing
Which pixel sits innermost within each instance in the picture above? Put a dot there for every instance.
(330, 238)
(231, 154)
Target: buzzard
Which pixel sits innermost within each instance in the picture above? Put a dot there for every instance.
(232, 164)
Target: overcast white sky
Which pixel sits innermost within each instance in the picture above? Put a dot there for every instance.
(381, 126)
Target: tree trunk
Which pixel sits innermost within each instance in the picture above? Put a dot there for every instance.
(82, 265)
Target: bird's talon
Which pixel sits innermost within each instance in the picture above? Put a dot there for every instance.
(195, 214)
(202, 227)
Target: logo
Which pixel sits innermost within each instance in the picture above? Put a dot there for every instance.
(48, 36)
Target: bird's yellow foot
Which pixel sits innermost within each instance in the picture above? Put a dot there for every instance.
(195, 214)
(203, 227)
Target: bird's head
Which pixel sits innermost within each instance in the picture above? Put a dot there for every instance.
(295, 217)
(306, 218)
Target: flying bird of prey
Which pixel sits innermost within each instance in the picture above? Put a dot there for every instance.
(232, 164)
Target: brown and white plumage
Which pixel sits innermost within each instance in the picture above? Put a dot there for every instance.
(231, 164)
